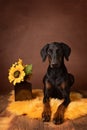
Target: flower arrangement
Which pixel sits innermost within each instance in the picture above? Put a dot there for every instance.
(18, 72)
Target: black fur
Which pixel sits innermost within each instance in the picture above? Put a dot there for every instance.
(57, 81)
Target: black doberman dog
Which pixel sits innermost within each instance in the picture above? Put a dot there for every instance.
(57, 81)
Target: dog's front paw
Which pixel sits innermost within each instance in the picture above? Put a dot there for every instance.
(46, 115)
(58, 119)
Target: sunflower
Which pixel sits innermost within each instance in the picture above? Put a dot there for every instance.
(16, 73)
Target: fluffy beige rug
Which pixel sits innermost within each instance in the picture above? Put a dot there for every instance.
(33, 108)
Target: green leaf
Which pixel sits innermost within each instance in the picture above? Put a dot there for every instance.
(28, 69)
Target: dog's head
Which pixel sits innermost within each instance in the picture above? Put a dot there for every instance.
(55, 52)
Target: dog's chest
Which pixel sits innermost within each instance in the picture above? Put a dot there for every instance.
(56, 77)
(55, 73)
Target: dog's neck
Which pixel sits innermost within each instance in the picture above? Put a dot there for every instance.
(61, 68)
(53, 73)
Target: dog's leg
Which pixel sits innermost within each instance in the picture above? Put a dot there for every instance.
(46, 114)
(59, 115)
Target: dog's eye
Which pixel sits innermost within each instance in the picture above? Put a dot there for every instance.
(57, 50)
(50, 51)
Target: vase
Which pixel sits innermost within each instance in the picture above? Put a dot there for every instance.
(23, 91)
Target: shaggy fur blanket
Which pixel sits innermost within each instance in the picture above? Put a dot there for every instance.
(33, 108)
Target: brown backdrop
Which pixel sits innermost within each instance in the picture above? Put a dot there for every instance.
(27, 25)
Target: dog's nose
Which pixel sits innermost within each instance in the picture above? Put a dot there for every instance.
(53, 65)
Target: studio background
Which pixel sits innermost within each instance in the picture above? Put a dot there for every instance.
(27, 25)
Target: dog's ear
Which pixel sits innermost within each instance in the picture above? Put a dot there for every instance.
(43, 52)
(66, 50)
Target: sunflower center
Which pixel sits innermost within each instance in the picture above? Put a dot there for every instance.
(16, 74)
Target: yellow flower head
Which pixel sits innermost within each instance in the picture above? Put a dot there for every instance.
(16, 73)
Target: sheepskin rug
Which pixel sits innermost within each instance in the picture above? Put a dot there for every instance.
(33, 108)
